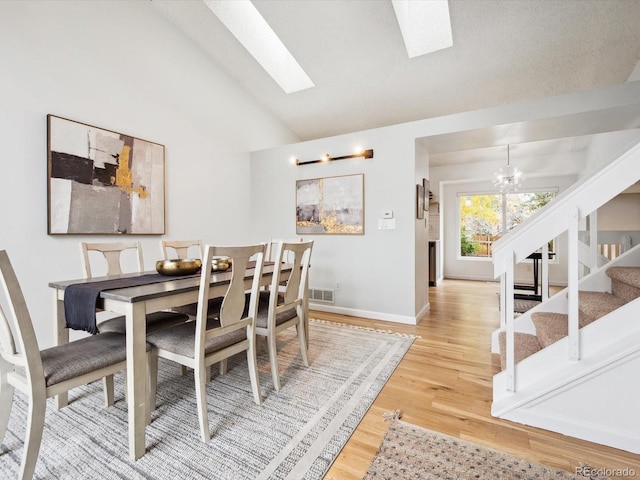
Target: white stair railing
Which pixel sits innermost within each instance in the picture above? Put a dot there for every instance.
(561, 215)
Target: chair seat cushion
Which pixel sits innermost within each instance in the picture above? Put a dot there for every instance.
(181, 339)
(64, 362)
(155, 321)
(263, 311)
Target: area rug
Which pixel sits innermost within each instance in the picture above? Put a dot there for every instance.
(296, 433)
(412, 452)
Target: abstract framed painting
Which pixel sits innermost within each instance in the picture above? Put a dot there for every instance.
(330, 205)
(419, 202)
(103, 182)
(427, 193)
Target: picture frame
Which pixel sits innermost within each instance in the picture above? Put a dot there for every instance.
(330, 205)
(419, 202)
(103, 182)
(426, 187)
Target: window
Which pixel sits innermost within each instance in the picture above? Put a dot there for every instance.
(484, 218)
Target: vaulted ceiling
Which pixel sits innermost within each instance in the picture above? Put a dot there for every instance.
(504, 51)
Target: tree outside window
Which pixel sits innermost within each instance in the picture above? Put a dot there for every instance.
(484, 218)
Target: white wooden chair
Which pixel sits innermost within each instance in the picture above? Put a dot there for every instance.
(113, 253)
(200, 344)
(283, 305)
(272, 248)
(43, 374)
(181, 248)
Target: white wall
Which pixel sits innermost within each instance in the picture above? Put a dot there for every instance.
(375, 270)
(421, 266)
(124, 67)
(606, 147)
(381, 272)
(620, 213)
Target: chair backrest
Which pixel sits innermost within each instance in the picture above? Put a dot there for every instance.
(293, 287)
(112, 253)
(181, 248)
(233, 304)
(27, 354)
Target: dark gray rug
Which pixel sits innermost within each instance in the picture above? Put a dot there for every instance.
(296, 433)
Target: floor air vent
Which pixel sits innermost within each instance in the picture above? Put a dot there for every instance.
(320, 295)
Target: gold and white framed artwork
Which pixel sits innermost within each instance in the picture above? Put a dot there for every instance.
(330, 205)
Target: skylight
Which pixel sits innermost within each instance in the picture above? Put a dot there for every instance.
(425, 25)
(251, 29)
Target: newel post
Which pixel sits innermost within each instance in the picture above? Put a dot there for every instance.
(545, 272)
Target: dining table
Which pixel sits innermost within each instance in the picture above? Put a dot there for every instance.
(135, 302)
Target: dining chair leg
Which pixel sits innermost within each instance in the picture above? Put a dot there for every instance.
(183, 370)
(107, 384)
(302, 337)
(208, 373)
(33, 438)
(273, 359)
(200, 374)
(6, 397)
(223, 367)
(252, 362)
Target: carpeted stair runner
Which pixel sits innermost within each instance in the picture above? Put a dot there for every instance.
(625, 282)
(551, 327)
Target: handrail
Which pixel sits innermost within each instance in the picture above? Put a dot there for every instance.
(563, 214)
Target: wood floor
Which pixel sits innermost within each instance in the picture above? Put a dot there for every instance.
(444, 384)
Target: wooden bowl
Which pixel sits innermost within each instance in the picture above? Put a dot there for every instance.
(177, 266)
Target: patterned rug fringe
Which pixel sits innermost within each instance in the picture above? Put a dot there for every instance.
(392, 415)
(369, 329)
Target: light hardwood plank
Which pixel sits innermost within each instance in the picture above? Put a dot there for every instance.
(444, 383)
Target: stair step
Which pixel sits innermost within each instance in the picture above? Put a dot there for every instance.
(594, 305)
(625, 282)
(525, 346)
(550, 327)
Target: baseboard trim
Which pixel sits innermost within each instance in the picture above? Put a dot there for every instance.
(387, 317)
(578, 428)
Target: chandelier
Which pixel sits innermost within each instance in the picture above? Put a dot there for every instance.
(507, 179)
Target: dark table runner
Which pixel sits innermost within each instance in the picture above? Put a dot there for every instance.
(80, 299)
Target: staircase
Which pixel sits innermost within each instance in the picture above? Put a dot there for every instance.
(551, 327)
(570, 364)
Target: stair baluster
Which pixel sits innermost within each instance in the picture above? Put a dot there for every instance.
(510, 346)
(573, 278)
(592, 220)
(545, 272)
